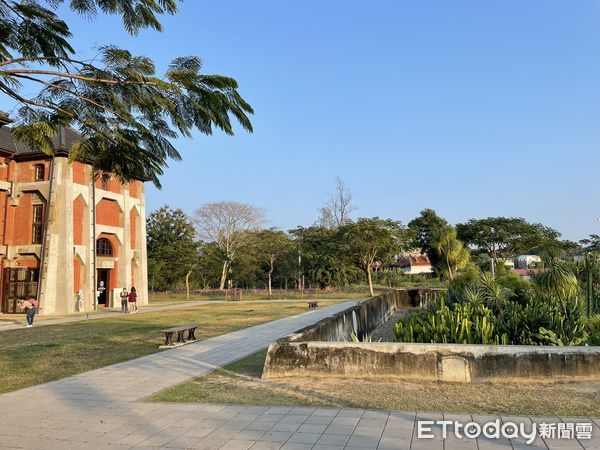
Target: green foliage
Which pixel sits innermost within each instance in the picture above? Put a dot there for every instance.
(499, 310)
(424, 231)
(172, 250)
(593, 324)
(127, 113)
(371, 240)
(454, 254)
(504, 237)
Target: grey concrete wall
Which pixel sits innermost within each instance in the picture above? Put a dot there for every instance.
(363, 317)
(431, 362)
(324, 350)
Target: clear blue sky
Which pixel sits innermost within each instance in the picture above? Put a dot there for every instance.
(472, 108)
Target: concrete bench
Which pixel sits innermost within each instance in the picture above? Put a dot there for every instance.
(169, 332)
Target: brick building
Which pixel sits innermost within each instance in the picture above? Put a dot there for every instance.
(62, 234)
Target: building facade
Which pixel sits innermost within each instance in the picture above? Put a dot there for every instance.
(68, 240)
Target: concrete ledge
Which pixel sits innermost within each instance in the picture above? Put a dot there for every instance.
(320, 350)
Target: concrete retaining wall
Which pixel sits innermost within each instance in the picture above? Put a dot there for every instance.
(323, 350)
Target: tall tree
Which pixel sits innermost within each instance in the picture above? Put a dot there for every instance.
(504, 237)
(271, 245)
(227, 224)
(125, 111)
(172, 251)
(368, 241)
(336, 211)
(425, 229)
(451, 250)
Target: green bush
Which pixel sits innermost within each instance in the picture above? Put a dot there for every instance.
(503, 310)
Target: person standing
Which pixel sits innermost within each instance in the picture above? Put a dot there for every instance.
(32, 306)
(132, 301)
(124, 300)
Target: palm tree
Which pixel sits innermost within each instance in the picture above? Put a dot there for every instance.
(454, 253)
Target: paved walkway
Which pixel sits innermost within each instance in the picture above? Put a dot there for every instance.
(102, 409)
(13, 322)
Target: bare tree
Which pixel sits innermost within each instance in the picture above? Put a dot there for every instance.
(336, 211)
(227, 224)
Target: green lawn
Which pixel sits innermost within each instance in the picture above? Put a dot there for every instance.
(240, 383)
(252, 294)
(36, 355)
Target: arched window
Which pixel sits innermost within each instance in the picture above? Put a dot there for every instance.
(104, 247)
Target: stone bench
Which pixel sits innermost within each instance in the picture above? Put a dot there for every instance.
(169, 332)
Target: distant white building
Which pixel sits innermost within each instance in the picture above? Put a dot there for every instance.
(528, 261)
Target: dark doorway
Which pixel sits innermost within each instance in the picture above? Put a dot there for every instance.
(103, 284)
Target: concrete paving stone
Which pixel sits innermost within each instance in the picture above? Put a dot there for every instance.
(326, 412)
(320, 420)
(367, 431)
(276, 436)
(427, 444)
(363, 441)
(188, 422)
(293, 418)
(571, 444)
(256, 409)
(330, 447)
(460, 445)
(494, 445)
(333, 439)
(198, 432)
(345, 420)
(260, 425)
(541, 446)
(158, 440)
(312, 428)
(302, 410)
(393, 443)
(266, 445)
(285, 426)
(357, 413)
(339, 429)
(246, 435)
(296, 446)
(236, 444)
(375, 423)
(304, 438)
(209, 443)
(181, 442)
(283, 410)
(131, 439)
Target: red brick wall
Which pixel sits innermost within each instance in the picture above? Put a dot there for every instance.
(132, 226)
(113, 184)
(133, 189)
(26, 171)
(108, 213)
(78, 210)
(79, 173)
(20, 231)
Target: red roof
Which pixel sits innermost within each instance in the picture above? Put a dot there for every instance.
(411, 261)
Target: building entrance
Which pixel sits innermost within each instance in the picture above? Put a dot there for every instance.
(103, 284)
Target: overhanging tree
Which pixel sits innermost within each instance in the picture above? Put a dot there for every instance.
(125, 111)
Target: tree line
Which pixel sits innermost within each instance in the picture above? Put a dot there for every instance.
(225, 245)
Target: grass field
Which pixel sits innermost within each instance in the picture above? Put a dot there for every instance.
(36, 355)
(240, 383)
(261, 294)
